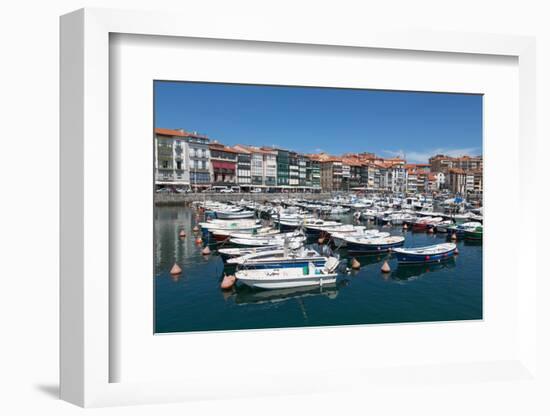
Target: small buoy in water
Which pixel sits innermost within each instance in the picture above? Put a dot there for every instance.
(453, 236)
(195, 228)
(228, 282)
(405, 226)
(430, 230)
(385, 267)
(355, 264)
(175, 270)
(206, 251)
(321, 240)
(198, 240)
(456, 251)
(182, 234)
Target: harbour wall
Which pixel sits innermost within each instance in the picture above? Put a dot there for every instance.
(166, 199)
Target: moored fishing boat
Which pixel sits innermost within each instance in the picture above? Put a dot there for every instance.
(426, 223)
(442, 226)
(279, 258)
(230, 224)
(277, 239)
(429, 254)
(288, 277)
(460, 229)
(368, 245)
(224, 234)
(474, 233)
(234, 214)
(231, 252)
(339, 238)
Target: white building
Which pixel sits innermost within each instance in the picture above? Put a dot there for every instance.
(171, 159)
(263, 165)
(440, 180)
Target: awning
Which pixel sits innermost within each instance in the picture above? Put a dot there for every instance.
(223, 165)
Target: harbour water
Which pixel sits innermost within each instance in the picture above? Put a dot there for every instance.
(193, 301)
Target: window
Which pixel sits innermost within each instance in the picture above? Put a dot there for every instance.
(165, 164)
(192, 164)
(178, 164)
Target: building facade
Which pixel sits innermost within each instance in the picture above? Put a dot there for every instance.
(223, 165)
(199, 159)
(331, 174)
(244, 166)
(171, 159)
(461, 181)
(313, 173)
(283, 168)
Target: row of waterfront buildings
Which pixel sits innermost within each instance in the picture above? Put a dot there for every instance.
(186, 159)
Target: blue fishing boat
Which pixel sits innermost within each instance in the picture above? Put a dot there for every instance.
(372, 245)
(428, 254)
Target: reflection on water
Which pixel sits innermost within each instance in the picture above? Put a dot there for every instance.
(413, 271)
(194, 301)
(244, 295)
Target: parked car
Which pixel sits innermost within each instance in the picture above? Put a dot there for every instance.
(226, 190)
(256, 191)
(163, 190)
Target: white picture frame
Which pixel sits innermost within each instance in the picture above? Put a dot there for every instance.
(85, 202)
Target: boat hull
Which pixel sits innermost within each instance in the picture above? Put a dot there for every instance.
(281, 264)
(372, 248)
(317, 280)
(403, 258)
(234, 215)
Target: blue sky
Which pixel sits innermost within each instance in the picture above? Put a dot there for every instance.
(388, 123)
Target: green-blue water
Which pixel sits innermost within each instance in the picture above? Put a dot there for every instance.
(195, 302)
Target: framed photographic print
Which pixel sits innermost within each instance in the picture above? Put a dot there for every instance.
(288, 213)
(313, 209)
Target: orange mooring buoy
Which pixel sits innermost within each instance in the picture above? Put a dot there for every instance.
(321, 240)
(228, 281)
(175, 270)
(198, 240)
(453, 236)
(385, 267)
(430, 230)
(196, 229)
(405, 226)
(355, 264)
(182, 234)
(206, 251)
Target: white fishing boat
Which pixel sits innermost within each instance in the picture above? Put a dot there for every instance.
(279, 258)
(338, 210)
(229, 224)
(234, 214)
(373, 245)
(441, 227)
(231, 252)
(339, 238)
(288, 277)
(462, 218)
(400, 218)
(278, 239)
(223, 234)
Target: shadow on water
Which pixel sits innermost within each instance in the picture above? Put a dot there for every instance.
(413, 271)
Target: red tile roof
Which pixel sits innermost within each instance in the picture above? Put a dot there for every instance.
(221, 147)
(168, 132)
